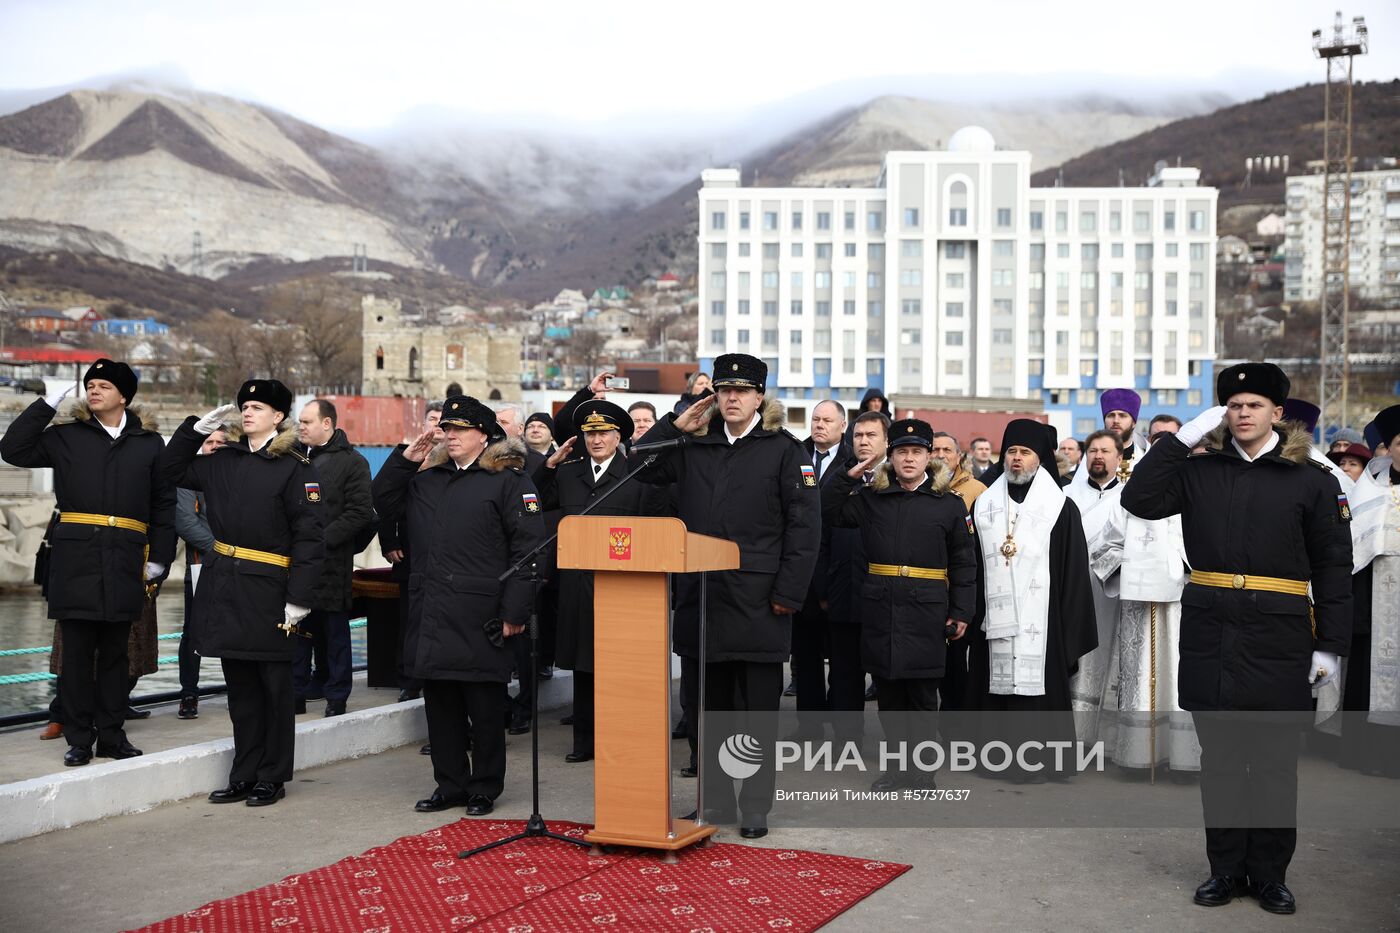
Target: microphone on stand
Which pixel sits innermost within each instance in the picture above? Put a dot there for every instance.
(661, 445)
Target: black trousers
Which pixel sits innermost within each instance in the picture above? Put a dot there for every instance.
(329, 644)
(1251, 770)
(189, 660)
(260, 704)
(95, 684)
(456, 708)
(56, 704)
(523, 699)
(815, 638)
(583, 712)
(752, 686)
(899, 701)
(953, 688)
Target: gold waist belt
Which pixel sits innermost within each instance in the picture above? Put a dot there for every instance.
(903, 570)
(1238, 581)
(246, 553)
(105, 521)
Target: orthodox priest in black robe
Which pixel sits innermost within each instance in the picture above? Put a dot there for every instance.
(1035, 609)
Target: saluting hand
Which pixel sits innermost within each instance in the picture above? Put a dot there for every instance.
(422, 445)
(696, 416)
(1198, 427)
(562, 454)
(214, 420)
(860, 469)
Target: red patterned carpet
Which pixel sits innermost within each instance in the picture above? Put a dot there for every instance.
(417, 884)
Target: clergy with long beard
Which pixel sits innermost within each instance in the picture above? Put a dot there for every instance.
(1120, 409)
(1035, 610)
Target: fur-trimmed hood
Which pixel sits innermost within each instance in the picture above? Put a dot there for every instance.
(937, 471)
(506, 454)
(78, 410)
(282, 443)
(1295, 445)
(774, 416)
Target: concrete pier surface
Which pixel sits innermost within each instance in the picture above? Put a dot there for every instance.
(128, 870)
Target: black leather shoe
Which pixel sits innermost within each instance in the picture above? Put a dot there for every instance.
(754, 826)
(265, 794)
(299, 705)
(479, 805)
(437, 802)
(236, 791)
(406, 694)
(790, 690)
(189, 708)
(426, 749)
(335, 708)
(715, 816)
(680, 731)
(123, 751)
(134, 713)
(1219, 890)
(886, 781)
(546, 673)
(688, 771)
(870, 694)
(1275, 897)
(76, 755)
(519, 727)
(576, 756)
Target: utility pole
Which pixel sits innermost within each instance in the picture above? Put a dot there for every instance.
(1334, 363)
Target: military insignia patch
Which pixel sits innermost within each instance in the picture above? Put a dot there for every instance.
(532, 502)
(1343, 507)
(313, 492)
(968, 519)
(809, 475)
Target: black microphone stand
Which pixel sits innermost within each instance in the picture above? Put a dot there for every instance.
(535, 826)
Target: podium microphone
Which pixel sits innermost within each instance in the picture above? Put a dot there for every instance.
(661, 445)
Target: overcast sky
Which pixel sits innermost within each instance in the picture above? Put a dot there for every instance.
(361, 66)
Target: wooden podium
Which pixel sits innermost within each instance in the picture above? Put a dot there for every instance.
(630, 557)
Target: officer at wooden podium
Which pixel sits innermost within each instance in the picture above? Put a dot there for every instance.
(1262, 520)
(570, 481)
(741, 476)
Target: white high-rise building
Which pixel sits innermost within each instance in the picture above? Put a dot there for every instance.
(954, 277)
(1375, 236)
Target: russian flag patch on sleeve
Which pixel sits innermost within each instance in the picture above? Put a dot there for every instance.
(532, 502)
(809, 475)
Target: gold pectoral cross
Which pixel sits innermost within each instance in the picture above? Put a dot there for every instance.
(1124, 471)
(1008, 548)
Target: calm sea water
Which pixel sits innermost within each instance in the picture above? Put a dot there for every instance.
(24, 623)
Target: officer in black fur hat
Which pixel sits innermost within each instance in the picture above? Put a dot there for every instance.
(1263, 522)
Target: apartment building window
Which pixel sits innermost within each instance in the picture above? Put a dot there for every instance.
(1088, 340)
(953, 367)
(1089, 280)
(1003, 277)
(717, 220)
(795, 339)
(1089, 252)
(743, 337)
(1037, 252)
(717, 338)
(1169, 221)
(1002, 306)
(770, 339)
(823, 220)
(1198, 252)
(1116, 251)
(743, 306)
(717, 308)
(874, 308)
(717, 250)
(1197, 280)
(1141, 368)
(874, 280)
(849, 250)
(796, 279)
(1171, 250)
(1088, 221)
(717, 281)
(821, 280)
(874, 367)
(1037, 281)
(1003, 336)
(1062, 250)
(1196, 339)
(770, 280)
(1062, 280)
(1003, 217)
(1197, 221)
(1061, 221)
(1169, 367)
(849, 220)
(770, 220)
(770, 309)
(910, 367)
(911, 249)
(911, 277)
(1088, 309)
(1171, 282)
(1142, 221)
(1171, 307)
(874, 339)
(1198, 309)
(1116, 280)
(823, 250)
(1062, 307)
(1086, 396)
(1035, 368)
(910, 336)
(1086, 368)
(874, 221)
(953, 280)
(797, 220)
(821, 367)
(957, 217)
(1142, 340)
(955, 250)
(796, 306)
(875, 252)
(1142, 252)
(743, 250)
(1142, 281)
(1037, 220)
(848, 307)
(797, 251)
(823, 309)
(911, 306)
(848, 280)
(770, 250)
(1115, 221)
(1115, 307)
(1166, 397)
(911, 217)
(1193, 398)
(953, 338)
(1004, 248)
(743, 220)
(1142, 308)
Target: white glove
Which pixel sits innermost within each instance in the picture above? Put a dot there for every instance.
(214, 420)
(154, 570)
(295, 614)
(1325, 665)
(55, 399)
(1198, 427)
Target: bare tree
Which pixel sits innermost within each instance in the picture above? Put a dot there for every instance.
(586, 347)
(327, 322)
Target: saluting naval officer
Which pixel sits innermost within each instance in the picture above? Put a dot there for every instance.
(1261, 521)
(742, 477)
(264, 506)
(571, 483)
(921, 588)
(471, 513)
(116, 531)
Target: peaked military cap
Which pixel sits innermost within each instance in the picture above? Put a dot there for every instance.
(601, 415)
(911, 431)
